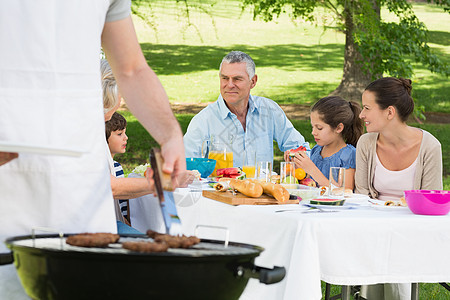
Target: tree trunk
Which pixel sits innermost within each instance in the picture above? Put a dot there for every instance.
(354, 79)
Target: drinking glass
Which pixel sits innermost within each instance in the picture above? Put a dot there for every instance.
(205, 148)
(249, 163)
(287, 172)
(195, 190)
(223, 155)
(337, 182)
(264, 171)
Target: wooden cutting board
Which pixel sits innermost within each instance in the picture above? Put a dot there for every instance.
(239, 199)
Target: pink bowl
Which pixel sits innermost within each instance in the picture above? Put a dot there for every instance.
(428, 202)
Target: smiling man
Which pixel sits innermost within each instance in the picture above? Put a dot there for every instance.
(243, 121)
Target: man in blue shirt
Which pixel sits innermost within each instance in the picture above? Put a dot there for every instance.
(243, 121)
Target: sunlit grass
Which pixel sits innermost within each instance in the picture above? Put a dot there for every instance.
(297, 62)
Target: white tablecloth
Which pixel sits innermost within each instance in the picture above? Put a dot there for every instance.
(349, 247)
(145, 213)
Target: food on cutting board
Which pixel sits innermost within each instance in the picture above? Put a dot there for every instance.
(230, 173)
(253, 188)
(145, 247)
(292, 152)
(277, 191)
(222, 186)
(100, 239)
(247, 187)
(328, 201)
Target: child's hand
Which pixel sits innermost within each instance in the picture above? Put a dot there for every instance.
(286, 156)
(186, 179)
(151, 183)
(302, 160)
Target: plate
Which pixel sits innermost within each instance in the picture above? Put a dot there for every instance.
(379, 205)
(388, 208)
(333, 207)
(358, 199)
(15, 147)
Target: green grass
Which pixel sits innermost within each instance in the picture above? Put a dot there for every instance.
(296, 62)
(428, 291)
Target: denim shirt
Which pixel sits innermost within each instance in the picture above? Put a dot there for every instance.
(265, 122)
(344, 158)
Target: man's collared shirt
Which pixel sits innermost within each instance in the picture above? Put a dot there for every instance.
(265, 122)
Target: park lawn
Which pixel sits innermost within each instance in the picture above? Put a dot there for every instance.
(296, 62)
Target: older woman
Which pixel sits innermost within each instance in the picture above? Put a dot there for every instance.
(393, 157)
(125, 188)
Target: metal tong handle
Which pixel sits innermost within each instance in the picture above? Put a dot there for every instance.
(227, 232)
(45, 229)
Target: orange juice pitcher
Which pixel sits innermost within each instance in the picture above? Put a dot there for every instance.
(223, 155)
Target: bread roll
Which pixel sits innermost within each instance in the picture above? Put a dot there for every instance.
(247, 187)
(277, 191)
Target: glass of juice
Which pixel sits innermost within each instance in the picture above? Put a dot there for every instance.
(249, 163)
(223, 155)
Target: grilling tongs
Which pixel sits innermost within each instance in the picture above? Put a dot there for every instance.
(168, 208)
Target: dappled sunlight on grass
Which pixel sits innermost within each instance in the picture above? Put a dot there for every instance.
(296, 62)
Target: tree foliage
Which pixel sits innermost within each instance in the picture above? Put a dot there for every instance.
(143, 10)
(385, 47)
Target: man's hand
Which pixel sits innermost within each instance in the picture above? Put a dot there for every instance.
(6, 157)
(174, 161)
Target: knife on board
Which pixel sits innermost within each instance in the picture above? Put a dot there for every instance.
(164, 190)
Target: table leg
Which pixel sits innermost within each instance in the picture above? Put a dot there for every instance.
(346, 291)
(415, 291)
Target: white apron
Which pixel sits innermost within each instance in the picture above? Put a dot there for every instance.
(50, 95)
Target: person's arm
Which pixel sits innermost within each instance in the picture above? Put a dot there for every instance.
(350, 178)
(143, 92)
(286, 136)
(432, 167)
(194, 137)
(362, 166)
(129, 188)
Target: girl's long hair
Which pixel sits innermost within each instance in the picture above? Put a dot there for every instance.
(334, 110)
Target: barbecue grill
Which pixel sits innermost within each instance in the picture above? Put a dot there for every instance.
(51, 269)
